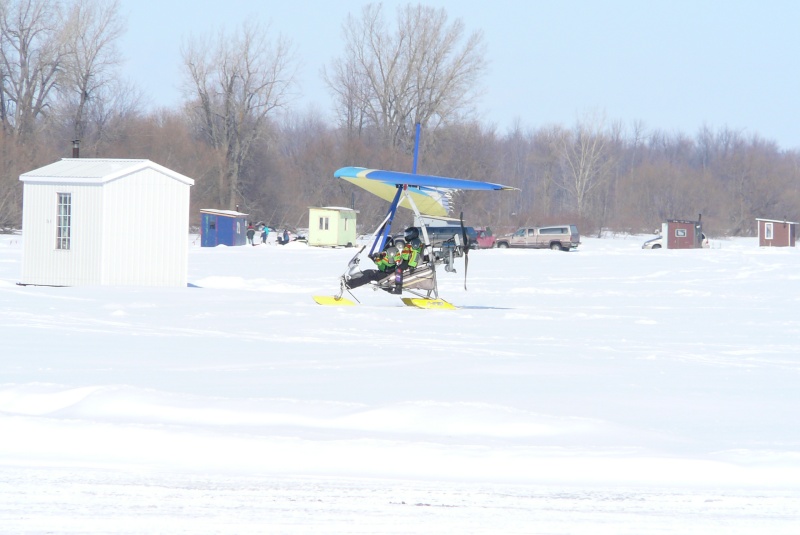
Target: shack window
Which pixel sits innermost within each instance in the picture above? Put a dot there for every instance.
(768, 231)
(64, 221)
(323, 223)
(680, 232)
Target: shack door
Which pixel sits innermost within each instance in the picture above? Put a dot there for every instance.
(209, 229)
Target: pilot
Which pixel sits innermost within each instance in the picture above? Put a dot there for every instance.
(409, 256)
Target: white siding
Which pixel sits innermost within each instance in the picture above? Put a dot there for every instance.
(130, 228)
(145, 239)
(42, 263)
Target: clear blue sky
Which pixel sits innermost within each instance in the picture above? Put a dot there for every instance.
(673, 65)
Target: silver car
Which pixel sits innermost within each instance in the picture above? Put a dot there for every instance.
(654, 243)
(658, 242)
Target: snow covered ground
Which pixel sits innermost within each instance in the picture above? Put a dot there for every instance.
(608, 390)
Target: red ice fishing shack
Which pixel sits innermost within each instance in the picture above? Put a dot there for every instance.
(683, 234)
(776, 233)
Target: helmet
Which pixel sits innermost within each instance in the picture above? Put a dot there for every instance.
(411, 233)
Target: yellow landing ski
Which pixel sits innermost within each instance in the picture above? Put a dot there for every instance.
(331, 300)
(422, 302)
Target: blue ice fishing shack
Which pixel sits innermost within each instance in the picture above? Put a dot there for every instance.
(222, 227)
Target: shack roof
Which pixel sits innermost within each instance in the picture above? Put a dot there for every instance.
(777, 221)
(95, 171)
(227, 213)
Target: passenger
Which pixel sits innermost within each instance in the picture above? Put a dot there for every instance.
(361, 277)
(384, 263)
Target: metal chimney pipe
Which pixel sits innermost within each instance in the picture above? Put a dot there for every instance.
(76, 143)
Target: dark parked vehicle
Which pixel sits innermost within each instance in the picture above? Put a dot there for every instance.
(440, 235)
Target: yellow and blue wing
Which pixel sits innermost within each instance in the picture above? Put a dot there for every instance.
(431, 194)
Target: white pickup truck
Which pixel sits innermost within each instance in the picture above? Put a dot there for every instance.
(555, 237)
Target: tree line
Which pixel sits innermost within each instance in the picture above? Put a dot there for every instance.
(238, 134)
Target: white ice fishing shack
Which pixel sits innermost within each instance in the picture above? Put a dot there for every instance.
(332, 226)
(89, 221)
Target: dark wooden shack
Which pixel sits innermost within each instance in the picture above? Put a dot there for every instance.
(776, 232)
(683, 234)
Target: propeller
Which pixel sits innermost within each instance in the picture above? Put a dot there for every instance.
(466, 249)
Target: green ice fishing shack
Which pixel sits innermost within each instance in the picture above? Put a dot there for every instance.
(332, 226)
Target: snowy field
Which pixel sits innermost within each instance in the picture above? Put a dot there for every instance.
(611, 390)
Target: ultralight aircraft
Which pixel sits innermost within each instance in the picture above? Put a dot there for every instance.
(425, 195)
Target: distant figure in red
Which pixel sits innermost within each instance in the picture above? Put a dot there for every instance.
(250, 233)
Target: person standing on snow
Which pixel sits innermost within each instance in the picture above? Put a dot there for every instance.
(264, 232)
(250, 233)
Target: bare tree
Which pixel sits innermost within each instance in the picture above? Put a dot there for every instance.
(425, 71)
(91, 59)
(588, 160)
(350, 94)
(31, 52)
(235, 84)
(31, 56)
(539, 191)
(104, 125)
(756, 181)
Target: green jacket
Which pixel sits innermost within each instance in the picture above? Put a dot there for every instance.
(412, 255)
(384, 263)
